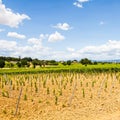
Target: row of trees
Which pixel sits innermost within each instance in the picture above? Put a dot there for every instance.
(28, 61)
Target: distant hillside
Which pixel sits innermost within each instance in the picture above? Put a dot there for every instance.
(109, 61)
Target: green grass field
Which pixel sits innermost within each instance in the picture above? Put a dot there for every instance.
(60, 68)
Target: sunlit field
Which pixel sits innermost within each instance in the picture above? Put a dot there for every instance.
(59, 60)
(59, 96)
(76, 67)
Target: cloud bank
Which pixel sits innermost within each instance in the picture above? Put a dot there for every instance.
(35, 48)
(9, 18)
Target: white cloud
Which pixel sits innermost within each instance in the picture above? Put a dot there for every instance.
(108, 50)
(1, 30)
(9, 18)
(79, 3)
(64, 26)
(105, 48)
(37, 41)
(11, 48)
(55, 37)
(16, 35)
(7, 45)
(70, 49)
(34, 41)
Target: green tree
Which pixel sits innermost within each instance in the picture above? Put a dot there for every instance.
(28, 59)
(40, 63)
(52, 62)
(2, 63)
(35, 62)
(85, 61)
(95, 63)
(9, 65)
(69, 62)
(18, 64)
(28, 64)
(23, 63)
(64, 63)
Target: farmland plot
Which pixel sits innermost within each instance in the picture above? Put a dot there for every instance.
(60, 96)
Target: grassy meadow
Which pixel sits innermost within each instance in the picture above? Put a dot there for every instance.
(76, 67)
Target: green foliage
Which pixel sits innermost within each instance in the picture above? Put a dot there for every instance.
(93, 83)
(2, 63)
(69, 62)
(95, 63)
(56, 100)
(85, 61)
(39, 101)
(5, 94)
(83, 93)
(34, 62)
(9, 65)
(71, 81)
(52, 62)
(60, 92)
(13, 87)
(54, 92)
(25, 97)
(36, 88)
(23, 63)
(72, 68)
(44, 83)
(64, 63)
(48, 91)
(52, 81)
(28, 59)
(19, 64)
(28, 64)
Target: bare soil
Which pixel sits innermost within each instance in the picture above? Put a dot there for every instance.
(79, 97)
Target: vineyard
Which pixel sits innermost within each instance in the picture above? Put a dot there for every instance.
(58, 96)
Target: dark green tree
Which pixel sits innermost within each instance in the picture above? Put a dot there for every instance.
(18, 64)
(28, 64)
(52, 62)
(28, 59)
(40, 63)
(35, 62)
(24, 63)
(2, 63)
(85, 61)
(95, 63)
(69, 62)
(64, 63)
(9, 65)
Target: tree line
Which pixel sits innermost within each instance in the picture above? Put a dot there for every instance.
(28, 61)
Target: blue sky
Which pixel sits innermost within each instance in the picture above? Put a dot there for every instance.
(60, 29)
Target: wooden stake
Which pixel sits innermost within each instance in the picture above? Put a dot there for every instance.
(18, 101)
